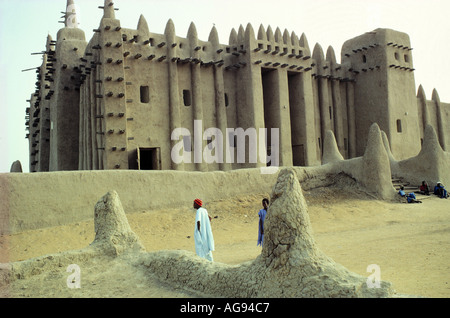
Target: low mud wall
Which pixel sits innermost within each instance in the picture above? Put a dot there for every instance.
(39, 200)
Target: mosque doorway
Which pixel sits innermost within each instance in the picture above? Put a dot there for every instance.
(270, 88)
(149, 158)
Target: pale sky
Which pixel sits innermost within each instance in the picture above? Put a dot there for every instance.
(25, 24)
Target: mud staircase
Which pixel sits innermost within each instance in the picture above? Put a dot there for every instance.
(408, 188)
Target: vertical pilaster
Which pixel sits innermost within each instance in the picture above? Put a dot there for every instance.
(250, 102)
(112, 94)
(324, 96)
(199, 143)
(174, 99)
(350, 89)
(337, 101)
(219, 88)
(441, 133)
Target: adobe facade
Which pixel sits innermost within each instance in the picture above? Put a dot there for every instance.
(114, 101)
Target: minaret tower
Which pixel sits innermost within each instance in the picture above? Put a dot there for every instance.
(64, 105)
(381, 62)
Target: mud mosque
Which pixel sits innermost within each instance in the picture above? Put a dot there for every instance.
(114, 101)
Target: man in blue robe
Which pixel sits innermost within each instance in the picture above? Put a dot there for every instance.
(204, 240)
(410, 197)
(440, 191)
(262, 216)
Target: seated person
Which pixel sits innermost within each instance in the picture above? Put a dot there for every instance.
(410, 197)
(424, 189)
(440, 190)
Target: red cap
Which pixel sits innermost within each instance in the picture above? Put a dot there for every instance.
(199, 202)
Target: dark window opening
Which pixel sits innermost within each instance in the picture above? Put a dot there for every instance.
(149, 159)
(187, 97)
(227, 102)
(145, 94)
(406, 58)
(364, 59)
(331, 112)
(399, 125)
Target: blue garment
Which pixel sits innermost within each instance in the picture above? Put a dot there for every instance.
(204, 240)
(440, 191)
(411, 197)
(262, 216)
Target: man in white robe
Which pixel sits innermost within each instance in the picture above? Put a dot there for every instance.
(204, 240)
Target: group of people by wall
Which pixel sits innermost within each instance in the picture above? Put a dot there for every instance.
(424, 189)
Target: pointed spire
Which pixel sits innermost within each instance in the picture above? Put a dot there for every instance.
(318, 53)
(435, 96)
(108, 10)
(423, 101)
(49, 43)
(270, 36)
(294, 39)
(142, 26)
(170, 28)
(192, 32)
(331, 56)
(241, 34)
(304, 43)
(214, 37)
(376, 167)
(262, 35)
(249, 34)
(286, 37)
(440, 127)
(71, 18)
(233, 37)
(330, 149)
(278, 36)
(421, 93)
(431, 146)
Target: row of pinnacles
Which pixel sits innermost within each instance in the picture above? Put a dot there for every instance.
(113, 102)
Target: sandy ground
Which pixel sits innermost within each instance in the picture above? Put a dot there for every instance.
(409, 242)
